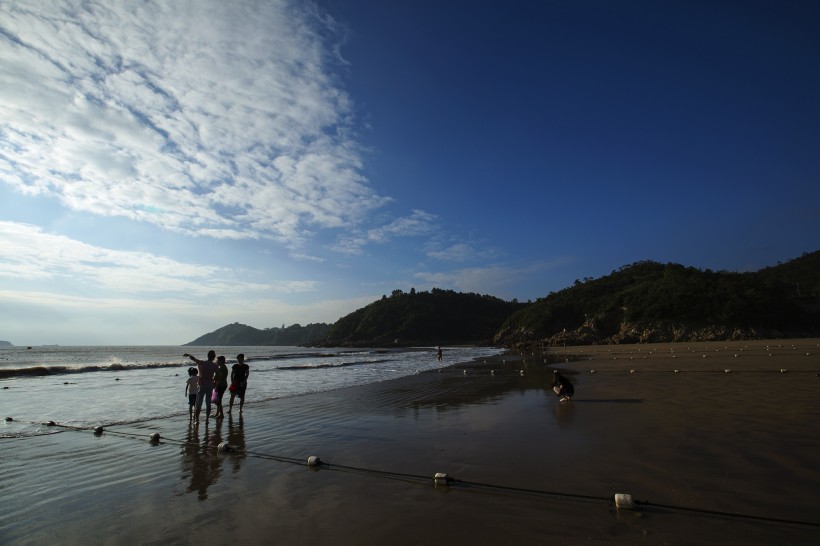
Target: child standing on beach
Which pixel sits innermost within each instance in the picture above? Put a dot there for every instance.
(191, 390)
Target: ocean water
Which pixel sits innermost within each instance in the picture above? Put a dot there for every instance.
(96, 386)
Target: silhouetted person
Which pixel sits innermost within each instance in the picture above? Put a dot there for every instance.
(562, 386)
(239, 381)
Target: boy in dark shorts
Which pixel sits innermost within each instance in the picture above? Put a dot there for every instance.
(239, 381)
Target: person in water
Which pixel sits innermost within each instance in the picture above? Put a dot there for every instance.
(562, 386)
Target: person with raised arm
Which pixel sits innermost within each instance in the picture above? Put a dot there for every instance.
(206, 370)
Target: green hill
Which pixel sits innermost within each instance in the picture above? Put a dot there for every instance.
(438, 317)
(240, 334)
(642, 302)
(652, 302)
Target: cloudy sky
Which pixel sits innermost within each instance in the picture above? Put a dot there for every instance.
(168, 167)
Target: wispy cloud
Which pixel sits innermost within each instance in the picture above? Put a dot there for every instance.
(496, 280)
(212, 118)
(418, 223)
(27, 253)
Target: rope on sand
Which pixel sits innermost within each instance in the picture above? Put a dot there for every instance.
(441, 479)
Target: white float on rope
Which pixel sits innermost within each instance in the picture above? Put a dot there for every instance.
(624, 501)
(313, 460)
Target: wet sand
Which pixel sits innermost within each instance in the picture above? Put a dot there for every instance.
(695, 446)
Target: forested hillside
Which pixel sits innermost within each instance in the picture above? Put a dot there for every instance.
(438, 317)
(650, 301)
(642, 302)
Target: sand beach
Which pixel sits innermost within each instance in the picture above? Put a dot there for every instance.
(716, 441)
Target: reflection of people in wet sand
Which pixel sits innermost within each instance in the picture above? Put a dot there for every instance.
(239, 381)
(236, 439)
(201, 460)
(562, 386)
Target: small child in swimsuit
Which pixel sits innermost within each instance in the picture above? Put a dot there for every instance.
(191, 390)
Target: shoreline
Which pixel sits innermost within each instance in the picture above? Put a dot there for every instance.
(530, 468)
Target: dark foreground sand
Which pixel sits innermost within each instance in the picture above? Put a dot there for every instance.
(697, 445)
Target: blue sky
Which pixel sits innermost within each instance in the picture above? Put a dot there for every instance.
(169, 167)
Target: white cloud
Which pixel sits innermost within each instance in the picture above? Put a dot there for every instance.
(418, 223)
(220, 119)
(496, 280)
(29, 254)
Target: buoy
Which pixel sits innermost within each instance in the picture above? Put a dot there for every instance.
(492, 372)
(624, 501)
(522, 372)
(783, 370)
(98, 431)
(51, 424)
(313, 460)
(441, 478)
(154, 438)
(631, 371)
(591, 371)
(224, 447)
(677, 371)
(9, 419)
(727, 371)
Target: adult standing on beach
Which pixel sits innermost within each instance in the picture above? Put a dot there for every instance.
(239, 381)
(562, 386)
(220, 384)
(206, 369)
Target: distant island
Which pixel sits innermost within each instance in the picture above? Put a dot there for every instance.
(6, 344)
(237, 334)
(644, 302)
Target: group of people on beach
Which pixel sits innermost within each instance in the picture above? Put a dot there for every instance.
(208, 381)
